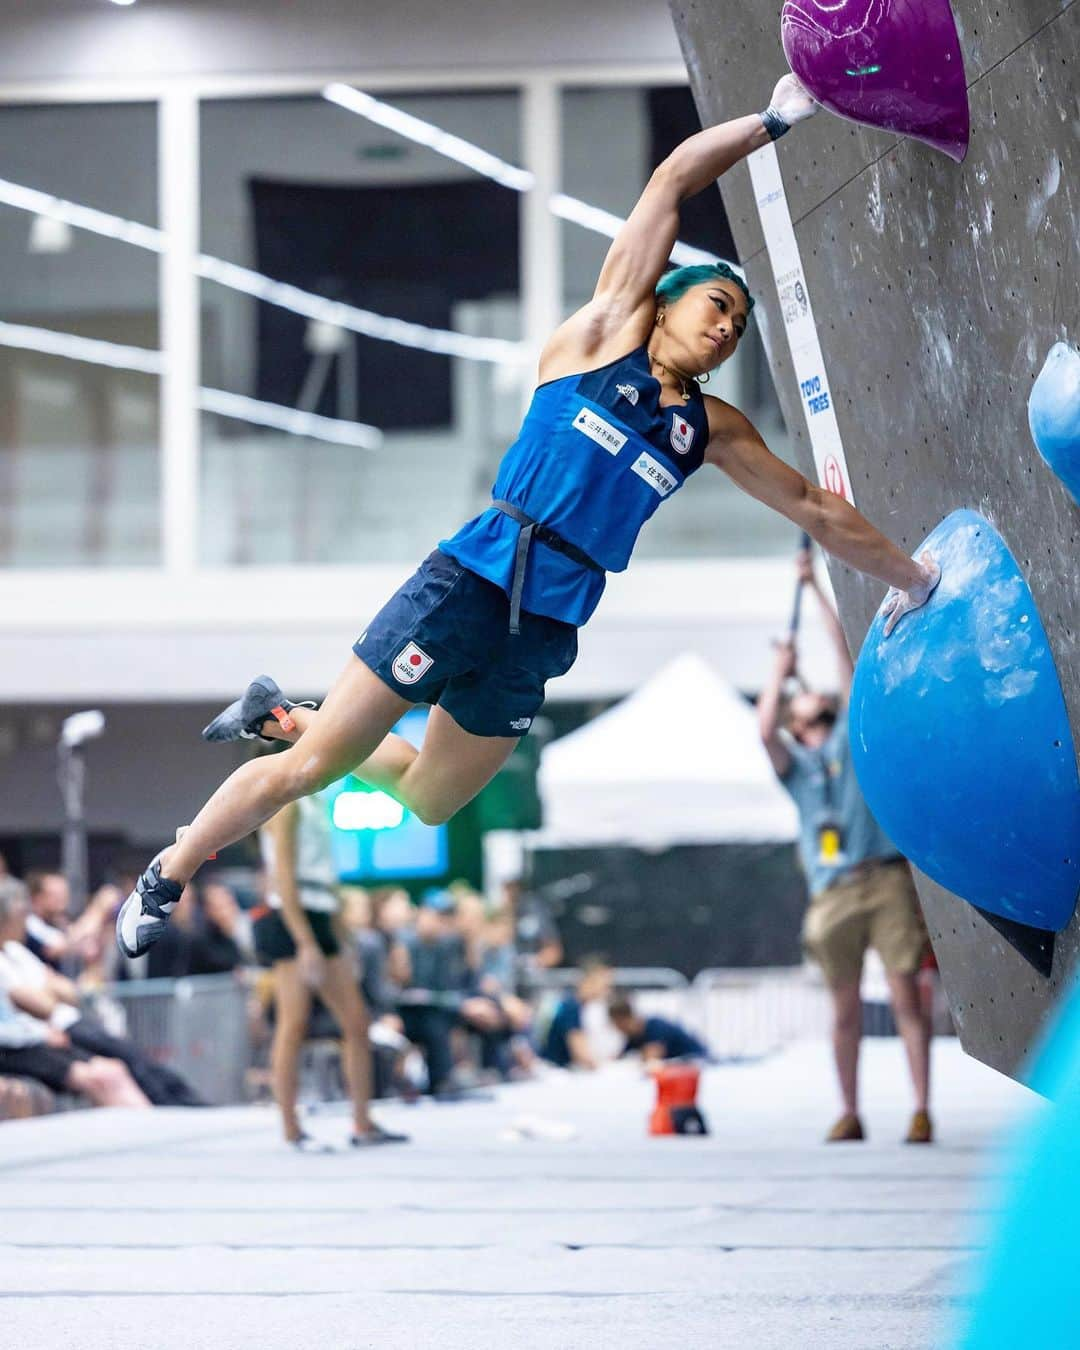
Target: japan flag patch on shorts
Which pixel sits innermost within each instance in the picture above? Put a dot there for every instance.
(411, 664)
(682, 434)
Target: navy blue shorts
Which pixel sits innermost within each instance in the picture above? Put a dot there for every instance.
(445, 638)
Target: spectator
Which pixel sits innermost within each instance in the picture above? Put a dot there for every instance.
(30, 1048)
(536, 938)
(92, 935)
(429, 963)
(37, 989)
(228, 941)
(655, 1038)
(566, 1043)
(371, 947)
(862, 894)
(47, 922)
(491, 1009)
(212, 937)
(21, 1098)
(302, 938)
(386, 1033)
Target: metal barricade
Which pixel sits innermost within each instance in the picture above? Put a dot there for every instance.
(197, 1025)
(626, 977)
(756, 1010)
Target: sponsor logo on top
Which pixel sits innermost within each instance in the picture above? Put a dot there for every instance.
(603, 433)
(654, 473)
(411, 664)
(815, 394)
(521, 724)
(629, 392)
(682, 434)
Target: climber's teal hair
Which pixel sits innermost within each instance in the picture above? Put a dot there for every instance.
(678, 281)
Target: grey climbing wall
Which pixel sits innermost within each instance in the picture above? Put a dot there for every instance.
(938, 289)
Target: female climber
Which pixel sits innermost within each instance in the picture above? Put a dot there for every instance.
(617, 424)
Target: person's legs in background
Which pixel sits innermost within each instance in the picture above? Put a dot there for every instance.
(846, 1038)
(835, 934)
(340, 994)
(161, 1085)
(898, 933)
(106, 1082)
(430, 1029)
(292, 999)
(914, 1027)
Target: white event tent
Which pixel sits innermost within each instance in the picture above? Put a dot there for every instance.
(677, 762)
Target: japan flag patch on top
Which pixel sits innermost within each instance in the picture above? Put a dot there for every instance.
(682, 434)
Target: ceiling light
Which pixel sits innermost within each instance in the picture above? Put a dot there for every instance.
(490, 166)
(49, 235)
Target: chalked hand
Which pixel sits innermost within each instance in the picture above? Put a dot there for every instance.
(899, 603)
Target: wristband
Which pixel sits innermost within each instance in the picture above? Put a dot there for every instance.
(775, 126)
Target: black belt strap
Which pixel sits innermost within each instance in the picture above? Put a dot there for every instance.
(531, 529)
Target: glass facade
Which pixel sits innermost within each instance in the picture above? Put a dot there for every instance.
(79, 460)
(307, 193)
(297, 190)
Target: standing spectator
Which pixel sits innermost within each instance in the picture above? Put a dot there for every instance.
(566, 1042)
(862, 894)
(302, 938)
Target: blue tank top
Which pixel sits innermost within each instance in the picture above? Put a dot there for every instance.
(595, 457)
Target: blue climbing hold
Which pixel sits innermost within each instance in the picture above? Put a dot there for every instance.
(961, 740)
(1054, 414)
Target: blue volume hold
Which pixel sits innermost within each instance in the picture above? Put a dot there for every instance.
(1054, 414)
(960, 736)
(1026, 1276)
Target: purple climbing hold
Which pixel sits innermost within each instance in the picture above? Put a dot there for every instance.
(1054, 414)
(893, 64)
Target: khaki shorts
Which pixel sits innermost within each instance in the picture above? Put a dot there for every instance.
(877, 907)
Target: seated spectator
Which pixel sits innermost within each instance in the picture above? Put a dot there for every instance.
(371, 948)
(428, 962)
(38, 990)
(30, 1048)
(537, 944)
(209, 935)
(654, 1037)
(227, 928)
(60, 941)
(47, 921)
(491, 1010)
(21, 1098)
(565, 1042)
